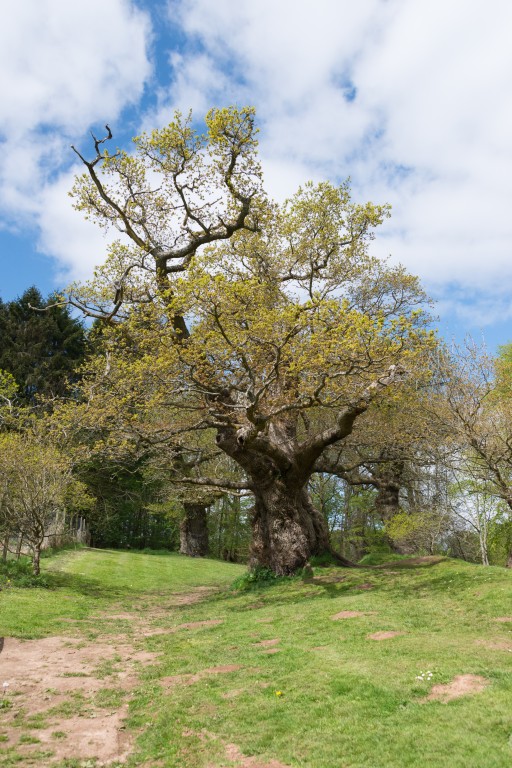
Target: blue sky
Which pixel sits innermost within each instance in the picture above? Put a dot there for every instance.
(412, 100)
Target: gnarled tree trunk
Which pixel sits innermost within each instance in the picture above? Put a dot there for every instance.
(194, 531)
(387, 505)
(287, 529)
(387, 500)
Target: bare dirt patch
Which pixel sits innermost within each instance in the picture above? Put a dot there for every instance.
(198, 624)
(233, 694)
(151, 632)
(192, 597)
(347, 615)
(496, 645)
(98, 736)
(503, 619)
(70, 694)
(268, 643)
(56, 680)
(463, 685)
(367, 585)
(384, 635)
(234, 753)
(239, 691)
(222, 669)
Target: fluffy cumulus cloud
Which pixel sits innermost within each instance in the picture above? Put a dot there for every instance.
(75, 244)
(64, 66)
(409, 98)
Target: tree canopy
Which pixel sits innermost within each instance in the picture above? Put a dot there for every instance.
(259, 330)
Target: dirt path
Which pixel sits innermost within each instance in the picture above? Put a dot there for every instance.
(67, 697)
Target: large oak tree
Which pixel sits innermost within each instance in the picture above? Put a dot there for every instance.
(267, 328)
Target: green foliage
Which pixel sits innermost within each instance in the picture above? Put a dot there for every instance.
(128, 511)
(41, 350)
(270, 328)
(19, 573)
(36, 484)
(500, 539)
(418, 531)
(8, 387)
(257, 577)
(229, 528)
(322, 561)
(403, 526)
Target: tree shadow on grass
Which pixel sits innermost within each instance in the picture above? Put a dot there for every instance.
(406, 578)
(424, 561)
(85, 585)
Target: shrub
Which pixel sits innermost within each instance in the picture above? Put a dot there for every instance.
(19, 573)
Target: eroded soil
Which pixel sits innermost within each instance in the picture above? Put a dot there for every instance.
(70, 697)
(67, 697)
(462, 685)
(386, 635)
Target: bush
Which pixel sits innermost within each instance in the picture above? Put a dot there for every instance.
(19, 573)
(260, 576)
(419, 532)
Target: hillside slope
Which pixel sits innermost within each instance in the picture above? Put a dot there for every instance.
(405, 664)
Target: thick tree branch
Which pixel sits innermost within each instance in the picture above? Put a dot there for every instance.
(227, 485)
(312, 449)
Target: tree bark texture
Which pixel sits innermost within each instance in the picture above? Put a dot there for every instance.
(194, 531)
(36, 560)
(287, 529)
(387, 500)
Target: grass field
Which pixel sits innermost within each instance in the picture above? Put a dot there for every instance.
(268, 678)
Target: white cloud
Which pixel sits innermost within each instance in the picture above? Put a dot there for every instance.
(77, 245)
(64, 66)
(409, 98)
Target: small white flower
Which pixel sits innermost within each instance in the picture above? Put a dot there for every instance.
(5, 686)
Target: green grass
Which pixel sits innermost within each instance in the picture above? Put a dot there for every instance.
(347, 701)
(81, 583)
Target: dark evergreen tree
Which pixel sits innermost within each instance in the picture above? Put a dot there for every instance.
(42, 350)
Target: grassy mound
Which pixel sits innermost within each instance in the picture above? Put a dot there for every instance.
(398, 664)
